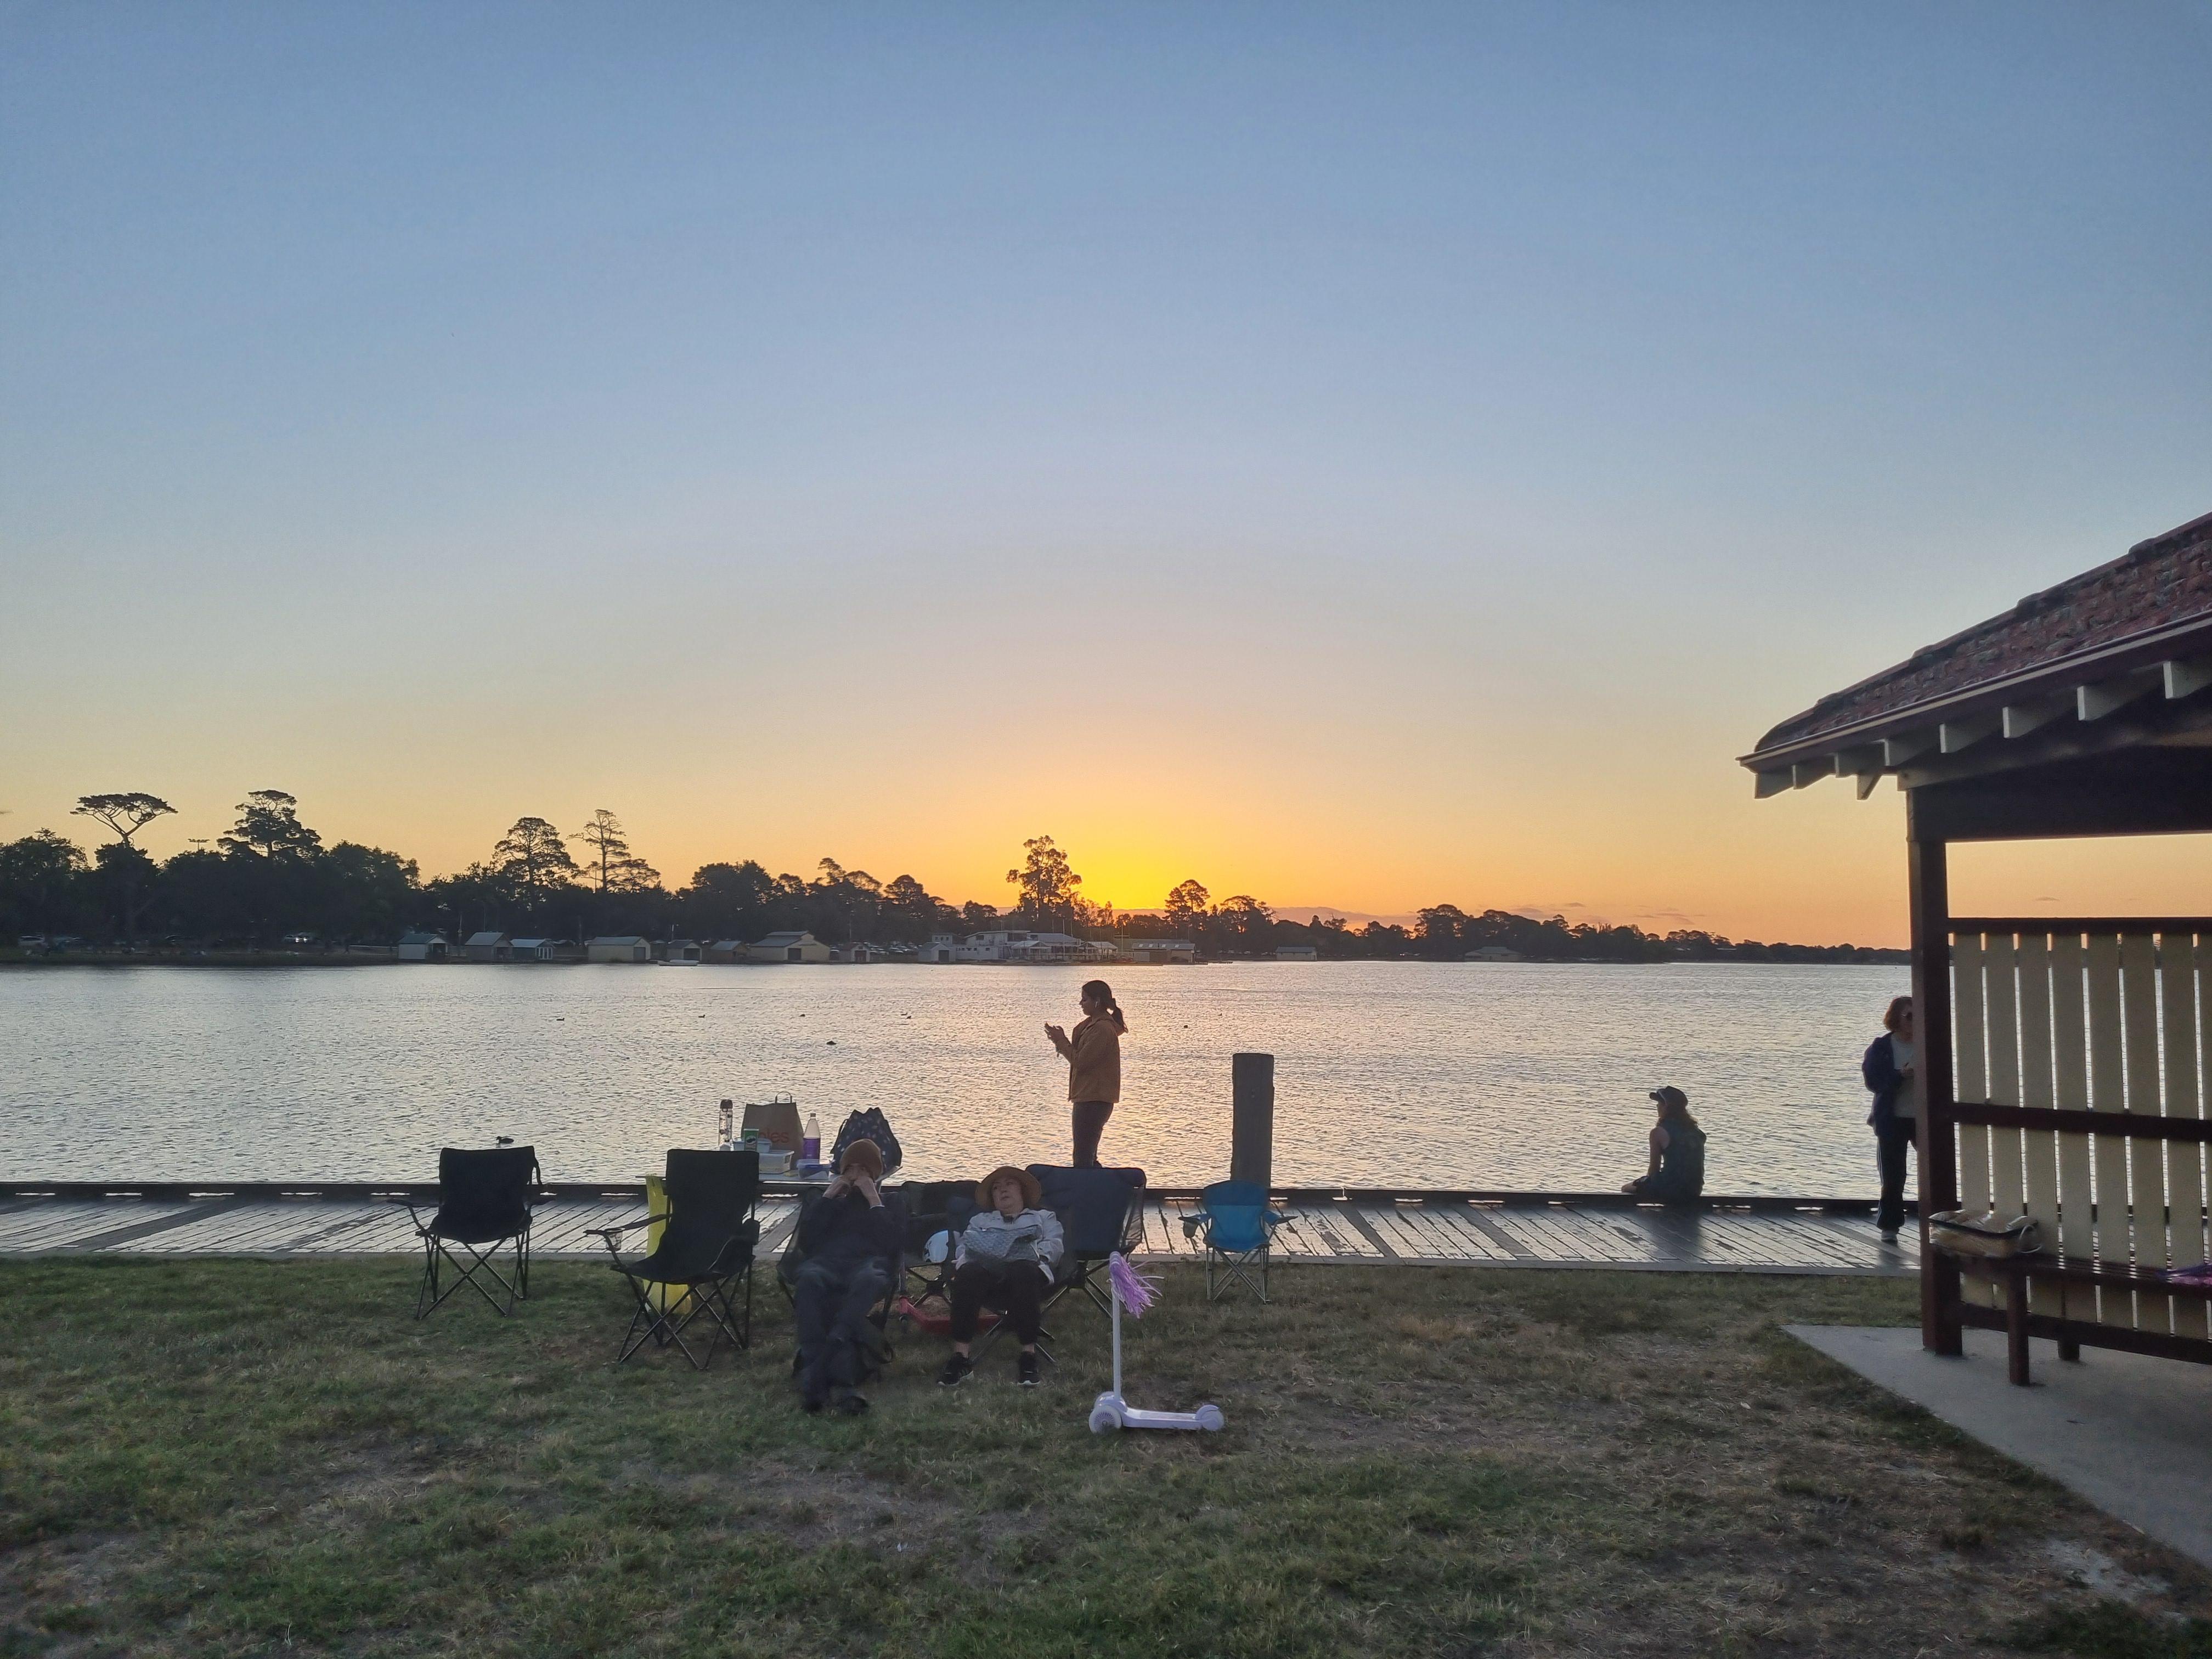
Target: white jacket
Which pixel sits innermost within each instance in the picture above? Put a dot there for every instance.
(1032, 1235)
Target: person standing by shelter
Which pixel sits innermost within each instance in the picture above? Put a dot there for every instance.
(1093, 1053)
(1892, 1072)
(1677, 1171)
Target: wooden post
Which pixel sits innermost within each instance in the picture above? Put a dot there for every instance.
(1252, 1118)
(1931, 903)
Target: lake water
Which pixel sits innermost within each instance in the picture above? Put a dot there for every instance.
(1413, 1075)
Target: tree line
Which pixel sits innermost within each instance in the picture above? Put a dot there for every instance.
(271, 878)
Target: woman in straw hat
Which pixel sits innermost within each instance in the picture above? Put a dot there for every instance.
(1008, 1254)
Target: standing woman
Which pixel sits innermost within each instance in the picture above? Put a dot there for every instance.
(1892, 1071)
(1093, 1055)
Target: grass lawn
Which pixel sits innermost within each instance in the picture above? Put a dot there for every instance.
(248, 1457)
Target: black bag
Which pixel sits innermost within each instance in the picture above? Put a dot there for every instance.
(869, 1125)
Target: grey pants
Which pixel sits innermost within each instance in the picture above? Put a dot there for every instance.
(830, 1304)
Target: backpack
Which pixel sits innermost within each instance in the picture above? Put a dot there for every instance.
(868, 1125)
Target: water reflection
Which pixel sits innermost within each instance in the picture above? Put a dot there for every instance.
(1388, 1074)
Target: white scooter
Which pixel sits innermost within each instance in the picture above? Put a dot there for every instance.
(1110, 1412)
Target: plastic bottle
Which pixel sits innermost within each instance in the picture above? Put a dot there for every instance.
(729, 1137)
(810, 1148)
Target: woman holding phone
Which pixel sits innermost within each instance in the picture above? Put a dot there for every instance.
(1093, 1053)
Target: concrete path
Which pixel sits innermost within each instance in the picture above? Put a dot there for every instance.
(2131, 1434)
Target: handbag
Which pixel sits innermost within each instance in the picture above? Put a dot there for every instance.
(867, 1125)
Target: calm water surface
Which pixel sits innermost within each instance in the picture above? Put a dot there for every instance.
(1387, 1074)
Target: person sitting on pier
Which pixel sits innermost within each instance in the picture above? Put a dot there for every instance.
(852, 1236)
(1677, 1173)
(1007, 1254)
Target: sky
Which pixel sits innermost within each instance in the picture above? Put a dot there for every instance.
(1363, 455)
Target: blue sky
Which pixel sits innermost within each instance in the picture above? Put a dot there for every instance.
(1360, 455)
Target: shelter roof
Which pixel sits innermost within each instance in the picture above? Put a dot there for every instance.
(2076, 653)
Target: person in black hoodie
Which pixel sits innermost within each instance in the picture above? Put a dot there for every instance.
(1891, 1070)
(850, 1235)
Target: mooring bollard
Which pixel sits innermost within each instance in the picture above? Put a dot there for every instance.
(1252, 1118)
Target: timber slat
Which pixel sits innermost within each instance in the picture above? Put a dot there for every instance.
(1437, 1231)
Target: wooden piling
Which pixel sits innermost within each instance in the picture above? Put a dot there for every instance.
(1252, 1124)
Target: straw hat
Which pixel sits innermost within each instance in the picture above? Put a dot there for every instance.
(1032, 1195)
(865, 1153)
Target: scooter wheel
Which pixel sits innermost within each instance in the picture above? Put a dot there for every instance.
(1104, 1419)
(1209, 1418)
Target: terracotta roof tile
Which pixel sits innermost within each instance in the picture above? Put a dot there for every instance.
(2159, 582)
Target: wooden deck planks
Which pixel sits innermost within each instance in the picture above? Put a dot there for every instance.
(56, 1225)
(1534, 1234)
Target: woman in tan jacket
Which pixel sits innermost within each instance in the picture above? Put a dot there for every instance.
(1093, 1055)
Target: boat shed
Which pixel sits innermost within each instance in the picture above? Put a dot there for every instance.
(618, 947)
(2063, 1060)
(489, 947)
(419, 947)
(788, 947)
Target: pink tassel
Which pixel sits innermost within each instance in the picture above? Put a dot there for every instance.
(1137, 1292)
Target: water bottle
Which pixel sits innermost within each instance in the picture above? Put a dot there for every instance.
(810, 1147)
(728, 1127)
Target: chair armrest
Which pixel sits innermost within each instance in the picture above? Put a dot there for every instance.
(624, 1227)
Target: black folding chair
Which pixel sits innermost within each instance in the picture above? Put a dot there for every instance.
(933, 1207)
(484, 1199)
(706, 1248)
(879, 1316)
(1101, 1210)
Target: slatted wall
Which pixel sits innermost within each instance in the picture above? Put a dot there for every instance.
(2112, 1018)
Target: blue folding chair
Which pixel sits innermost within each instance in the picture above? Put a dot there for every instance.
(1238, 1228)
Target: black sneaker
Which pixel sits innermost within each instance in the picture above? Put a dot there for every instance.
(849, 1404)
(955, 1371)
(1028, 1370)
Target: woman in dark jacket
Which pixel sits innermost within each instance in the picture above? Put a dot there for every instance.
(1891, 1070)
(1677, 1171)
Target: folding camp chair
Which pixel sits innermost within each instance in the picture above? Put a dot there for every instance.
(1100, 1211)
(1239, 1230)
(878, 1349)
(933, 1207)
(484, 1202)
(706, 1246)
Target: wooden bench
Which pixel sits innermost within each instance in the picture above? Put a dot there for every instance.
(2017, 1273)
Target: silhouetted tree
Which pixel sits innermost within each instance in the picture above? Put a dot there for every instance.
(268, 827)
(617, 869)
(40, 890)
(129, 872)
(1046, 882)
(1188, 906)
(533, 857)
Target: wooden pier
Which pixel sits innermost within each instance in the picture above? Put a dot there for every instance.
(290, 1220)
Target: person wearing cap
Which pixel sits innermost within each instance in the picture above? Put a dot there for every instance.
(851, 1236)
(1677, 1172)
(1008, 1254)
